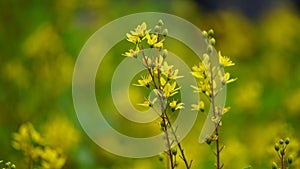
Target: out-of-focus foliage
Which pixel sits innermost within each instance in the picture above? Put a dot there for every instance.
(39, 43)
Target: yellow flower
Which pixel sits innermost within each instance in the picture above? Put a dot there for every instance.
(226, 79)
(199, 71)
(162, 81)
(203, 87)
(52, 159)
(138, 34)
(144, 82)
(158, 61)
(148, 102)
(224, 60)
(133, 39)
(167, 67)
(225, 110)
(169, 72)
(132, 53)
(26, 136)
(199, 106)
(140, 30)
(176, 106)
(170, 89)
(153, 41)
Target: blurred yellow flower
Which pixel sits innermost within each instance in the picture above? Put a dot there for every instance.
(52, 159)
(25, 138)
(61, 133)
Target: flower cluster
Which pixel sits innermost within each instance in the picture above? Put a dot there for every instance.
(38, 154)
(280, 147)
(209, 76)
(160, 78)
(211, 80)
(8, 165)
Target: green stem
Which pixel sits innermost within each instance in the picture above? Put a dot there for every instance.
(187, 165)
(218, 148)
(218, 165)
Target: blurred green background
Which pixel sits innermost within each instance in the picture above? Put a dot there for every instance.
(40, 41)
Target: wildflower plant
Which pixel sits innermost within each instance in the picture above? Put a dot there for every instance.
(161, 79)
(210, 82)
(36, 152)
(281, 149)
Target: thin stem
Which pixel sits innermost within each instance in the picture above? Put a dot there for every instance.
(282, 162)
(148, 67)
(187, 165)
(165, 123)
(218, 165)
(218, 148)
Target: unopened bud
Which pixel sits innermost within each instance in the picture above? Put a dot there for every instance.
(287, 141)
(160, 22)
(7, 164)
(164, 53)
(276, 147)
(204, 33)
(208, 141)
(290, 159)
(211, 33)
(274, 165)
(174, 151)
(165, 32)
(281, 141)
(156, 28)
(213, 41)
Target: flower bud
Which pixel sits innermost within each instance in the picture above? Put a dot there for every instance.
(204, 33)
(160, 22)
(274, 165)
(160, 158)
(287, 141)
(12, 166)
(156, 28)
(280, 141)
(165, 32)
(211, 33)
(164, 53)
(174, 151)
(290, 159)
(213, 41)
(276, 147)
(208, 141)
(7, 164)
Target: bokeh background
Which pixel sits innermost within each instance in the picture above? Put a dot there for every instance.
(40, 41)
